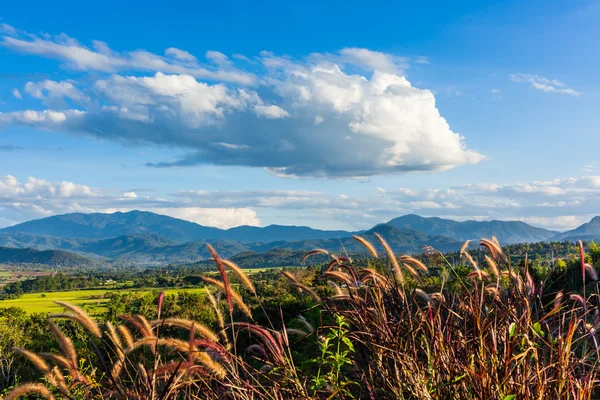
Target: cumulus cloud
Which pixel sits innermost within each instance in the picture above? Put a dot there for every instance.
(296, 117)
(544, 84)
(15, 92)
(38, 198)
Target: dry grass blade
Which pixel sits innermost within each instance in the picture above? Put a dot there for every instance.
(187, 324)
(35, 359)
(240, 274)
(66, 345)
(218, 312)
(126, 335)
(370, 274)
(342, 276)
(29, 389)
(267, 338)
(464, 247)
(413, 261)
(237, 299)
(493, 266)
(318, 251)
(82, 317)
(143, 329)
(366, 244)
(470, 259)
(492, 247)
(225, 286)
(392, 257)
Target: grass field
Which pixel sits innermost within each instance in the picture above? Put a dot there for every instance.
(90, 300)
(5, 273)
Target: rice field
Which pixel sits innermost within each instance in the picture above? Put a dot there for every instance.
(91, 300)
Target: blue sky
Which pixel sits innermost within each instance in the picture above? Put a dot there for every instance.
(336, 115)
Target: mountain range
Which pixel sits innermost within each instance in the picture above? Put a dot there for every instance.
(145, 237)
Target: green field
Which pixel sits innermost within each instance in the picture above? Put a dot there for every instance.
(5, 273)
(90, 300)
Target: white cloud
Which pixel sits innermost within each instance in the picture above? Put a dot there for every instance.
(301, 112)
(15, 92)
(219, 217)
(37, 198)
(495, 91)
(49, 91)
(544, 84)
(102, 58)
(179, 54)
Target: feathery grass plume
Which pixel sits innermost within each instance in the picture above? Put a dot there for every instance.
(60, 360)
(422, 294)
(82, 317)
(144, 330)
(493, 247)
(60, 380)
(464, 247)
(307, 324)
(187, 324)
(257, 348)
(28, 389)
(413, 261)
(342, 276)
(369, 274)
(66, 345)
(367, 245)
(579, 299)
(290, 276)
(493, 289)
(558, 299)
(318, 251)
(478, 274)
(470, 259)
(144, 322)
(170, 343)
(298, 332)
(214, 349)
(213, 366)
(240, 274)
(591, 271)
(126, 335)
(161, 298)
(413, 272)
(225, 286)
(39, 363)
(301, 287)
(495, 240)
(237, 299)
(273, 345)
(217, 310)
(392, 257)
(336, 287)
(493, 266)
(112, 334)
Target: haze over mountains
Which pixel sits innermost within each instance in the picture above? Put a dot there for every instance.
(145, 237)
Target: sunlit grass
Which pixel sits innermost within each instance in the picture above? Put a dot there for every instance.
(90, 299)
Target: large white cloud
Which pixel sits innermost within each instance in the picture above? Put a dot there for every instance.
(38, 198)
(349, 114)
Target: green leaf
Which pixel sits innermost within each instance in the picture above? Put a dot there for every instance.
(538, 329)
(512, 329)
(510, 397)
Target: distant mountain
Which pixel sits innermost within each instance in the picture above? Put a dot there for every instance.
(588, 231)
(56, 258)
(274, 233)
(401, 241)
(507, 232)
(104, 226)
